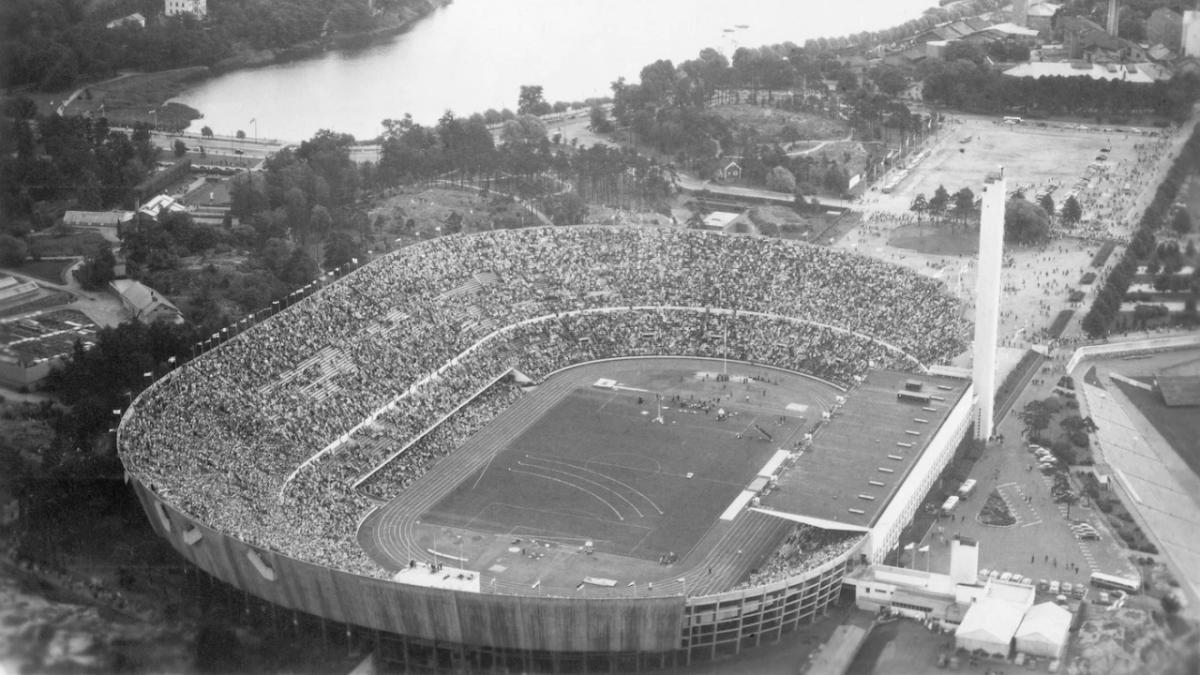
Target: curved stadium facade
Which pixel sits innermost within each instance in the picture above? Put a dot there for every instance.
(251, 460)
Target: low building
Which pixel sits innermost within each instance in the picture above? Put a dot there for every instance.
(162, 203)
(197, 8)
(1128, 72)
(97, 218)
(989, 627)
(1044, 631)
(14, 291)
(144, 303)
(1040, 17)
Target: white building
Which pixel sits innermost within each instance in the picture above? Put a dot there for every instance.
(1191, 33)
(144, 303)
(1044, 631)
(197, 8)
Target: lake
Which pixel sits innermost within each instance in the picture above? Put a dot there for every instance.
(475, 54)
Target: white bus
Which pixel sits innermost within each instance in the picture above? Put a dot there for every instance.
(1114, 582)
(1013, 120)
(966, 488)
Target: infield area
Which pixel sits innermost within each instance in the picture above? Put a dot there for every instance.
(644, 479)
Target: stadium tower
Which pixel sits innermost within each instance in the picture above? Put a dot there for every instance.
(1112, 17)
(987, 300)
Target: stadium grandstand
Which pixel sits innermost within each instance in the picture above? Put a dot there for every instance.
(348, 456)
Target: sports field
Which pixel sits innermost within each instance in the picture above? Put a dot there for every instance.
(600, 467)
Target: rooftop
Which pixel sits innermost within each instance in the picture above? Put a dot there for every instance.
(859, 460)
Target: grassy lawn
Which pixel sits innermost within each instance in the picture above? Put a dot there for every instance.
(935, 239)
(129, 99)
(770, 122)
(46, 270)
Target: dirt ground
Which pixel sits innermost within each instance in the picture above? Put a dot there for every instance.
(770, 122)
(971, 147)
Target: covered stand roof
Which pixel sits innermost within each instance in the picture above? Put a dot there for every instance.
(1044, 631)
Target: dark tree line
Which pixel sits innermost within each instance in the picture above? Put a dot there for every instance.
(1144, 245)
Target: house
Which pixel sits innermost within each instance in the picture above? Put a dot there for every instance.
(135, 19)
(1040, 17)
(1085, 38)
(197, 8)
(160, 203)
(731, 170)
(144, 303)
(97, 218)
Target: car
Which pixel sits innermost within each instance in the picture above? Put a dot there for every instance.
(1007, 576)
(1103, 599)
(994, 575)
(1065, 588)
(1043, 585)
(1079, 591)
(983, 573)
(1054, 587)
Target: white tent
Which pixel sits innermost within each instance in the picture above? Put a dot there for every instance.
(1044, 631)
(989, 625)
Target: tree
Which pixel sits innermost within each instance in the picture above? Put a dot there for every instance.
(341, 249)
(1025, 222)
(240, 134)
(13, 251)
(940, 201)
(1181, 222)
(97, 270)
(1072, 212)
(964, 204)
(206, 131)
(1047, 204)
(180, 147)
(781, 180)
(599, 120)
(919, 205)
(531, 102)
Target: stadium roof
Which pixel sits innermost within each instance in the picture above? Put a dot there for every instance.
(861, 457)
(1180, 384)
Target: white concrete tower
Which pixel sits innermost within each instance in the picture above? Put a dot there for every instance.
(987, 300)
(1113, 13)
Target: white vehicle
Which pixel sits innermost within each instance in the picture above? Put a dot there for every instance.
(1054, 587)
(1007, 576)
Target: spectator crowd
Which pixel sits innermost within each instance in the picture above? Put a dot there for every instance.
(371, 381)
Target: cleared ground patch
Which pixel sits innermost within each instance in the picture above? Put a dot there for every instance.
(775, 125)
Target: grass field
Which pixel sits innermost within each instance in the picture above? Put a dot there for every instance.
(46, 270)
(1179, 426)
(597, 467)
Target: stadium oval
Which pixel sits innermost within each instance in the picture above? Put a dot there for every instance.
(249, 459)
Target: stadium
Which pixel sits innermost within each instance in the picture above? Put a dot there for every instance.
(562, 449)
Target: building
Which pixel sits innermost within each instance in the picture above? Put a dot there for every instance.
(1020, 12)
(989, 628)
(14, 291)
(160, 203)
(1127, 72)
(1179, 384)
(135, 19)
(987, 308)
(144, 303)
(920, 594)
(1040, 17)
(1044, 631)
(1191, 33)
(97, 218)
(197, 8)
(1086, 39)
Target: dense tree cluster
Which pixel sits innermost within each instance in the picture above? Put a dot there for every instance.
(53, 158)
(975, 87)
(1145, 248)
(49, 44)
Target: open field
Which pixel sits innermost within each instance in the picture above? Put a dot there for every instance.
(598, 467)
(79, 242)
(975, 146)
(46, 270)
(770, 123)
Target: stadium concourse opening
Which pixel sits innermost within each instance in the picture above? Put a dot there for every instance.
(588, 482)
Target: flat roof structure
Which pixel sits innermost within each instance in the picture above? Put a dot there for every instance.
(862, 456)
(1096, 71)
(1180, 384)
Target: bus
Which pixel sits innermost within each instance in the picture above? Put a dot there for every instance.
(949, 504)
(1013, 120)
(1114, 582)
(966, 488)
